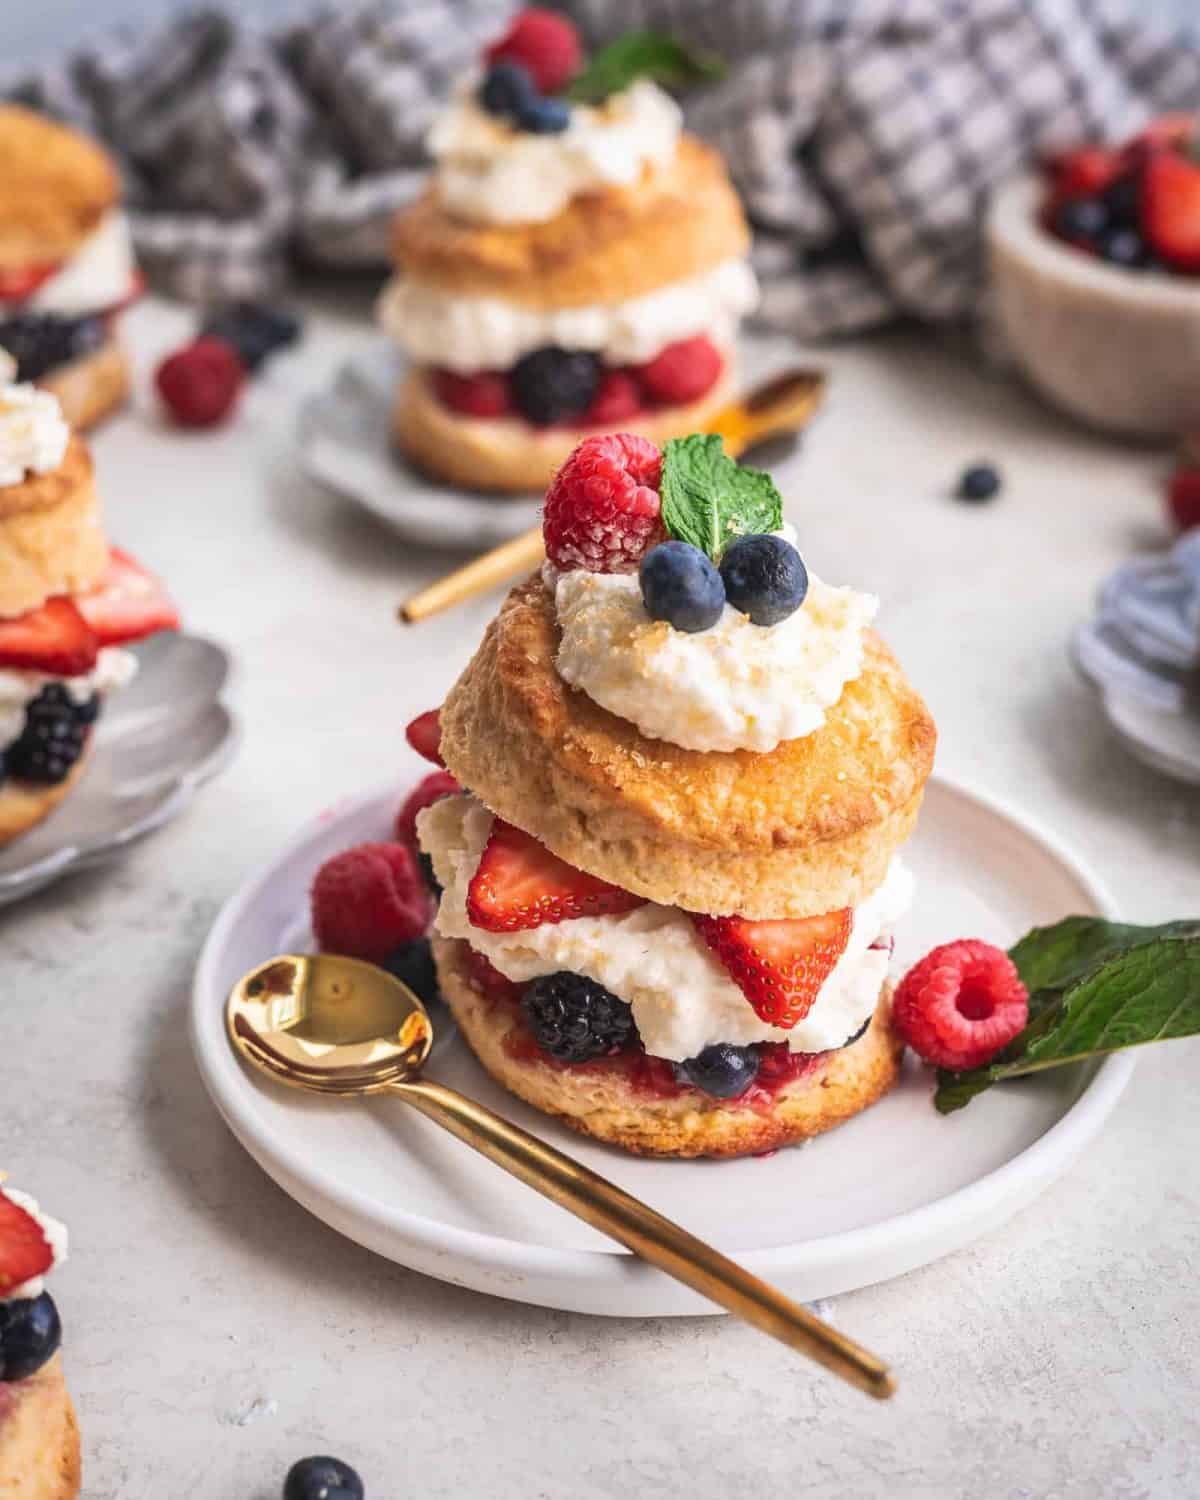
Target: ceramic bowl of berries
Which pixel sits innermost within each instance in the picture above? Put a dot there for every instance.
(1093, 265)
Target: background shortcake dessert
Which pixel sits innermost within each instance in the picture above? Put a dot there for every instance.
(667, 902)
(576, 262)
(66, 264)
(39, 1440)
(69, 606)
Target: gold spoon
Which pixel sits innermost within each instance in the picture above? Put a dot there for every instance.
(340, 1026)
(783, 404)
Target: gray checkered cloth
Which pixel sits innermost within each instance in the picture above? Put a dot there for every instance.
(863, 134)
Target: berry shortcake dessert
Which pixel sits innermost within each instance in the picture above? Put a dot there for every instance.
(69, 606)
(668, 898)
(66, 264)
(39, 1441)
(577, 262)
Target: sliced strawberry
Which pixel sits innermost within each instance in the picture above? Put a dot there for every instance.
(1170, 209)
(127, 604)
(424, 734)
(17, 285)
(54, 638)
(1084, 170)
(520, 884)
(778, 966)
(25, 1252)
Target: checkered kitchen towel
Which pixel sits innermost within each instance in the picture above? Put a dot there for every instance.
(864, 134)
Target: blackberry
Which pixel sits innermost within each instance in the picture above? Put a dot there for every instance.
(574, 1019)
(722, 1070)
(30, 1332)
(252, 330)
(56, 728)
(1081, 219)
(41, 341)
(412, 964)
(551, 384)
(1124, 247)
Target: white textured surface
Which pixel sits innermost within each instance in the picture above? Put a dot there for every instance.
(1057, 1357)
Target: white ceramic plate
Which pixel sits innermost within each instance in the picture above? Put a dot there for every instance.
(157, 741)
(893, 1189)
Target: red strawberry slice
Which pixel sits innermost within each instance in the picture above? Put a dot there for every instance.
(54, 638)
(17, 285)
(25, 1252)
(519, 884)
(424, 734)
(1170, 209)
(127, 604)
(778, 966)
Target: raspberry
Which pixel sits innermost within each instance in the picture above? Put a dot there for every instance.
(602, 509)
(961, 1004)
(200, 384)
(436, 785)
(1183, 498)
(543, 42)
(484, 394)
(682, 372)
(488, 980)
(617, 399)
(368, 900)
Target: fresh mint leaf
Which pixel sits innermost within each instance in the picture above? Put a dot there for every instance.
(1054, 957)
(708, 499)
(643, 54)
(1149, 992)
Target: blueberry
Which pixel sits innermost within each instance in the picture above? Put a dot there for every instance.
(252, 329)
(40, 342)
(507, 89)
(53, 737)
(1122, 200)
(412, 963)
(544, 116)
(764, 577)
(978, 482)
(322, 1478)
(552, 383)
(30, 1333)
(574, 1018)
(1080, 218)
(722, 1070)
(1123, 247)
(680, 585)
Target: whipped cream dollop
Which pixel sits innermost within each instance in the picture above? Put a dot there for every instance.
(114, 669)
(735, 686)
(682, 997)
(489, 172)
(33, 432)
(56, 1237)
(99, 275)
(465, 334)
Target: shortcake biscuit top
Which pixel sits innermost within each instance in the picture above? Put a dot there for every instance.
(55, 187)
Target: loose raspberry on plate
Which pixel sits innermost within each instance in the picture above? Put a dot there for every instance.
(1183, 498)
(961, 1004)
(484, 394)
(543, 42)
(424, 734)
(616, 400)
(368, 900)
(681, 373)
(433, 788)
(602, 509)
(200, 384)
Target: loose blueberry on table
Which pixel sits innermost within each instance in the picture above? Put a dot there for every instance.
(322, 1478)
(978, 482)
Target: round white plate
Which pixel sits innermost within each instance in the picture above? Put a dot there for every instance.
(893, 1189)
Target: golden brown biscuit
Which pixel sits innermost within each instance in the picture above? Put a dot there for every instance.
(507, 454)
(808, 828)
(55, 187)
(674, 223)
(24, 804)
(39, 1438)
(51, 538)
(605, 1105)
(92, 387)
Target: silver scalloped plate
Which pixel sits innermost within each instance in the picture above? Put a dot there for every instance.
(345, 444)
(157, 741)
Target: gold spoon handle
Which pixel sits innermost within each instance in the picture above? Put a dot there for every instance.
(614, 1212)
(783, 404)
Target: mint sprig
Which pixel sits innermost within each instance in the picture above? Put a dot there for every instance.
(643, 54)
(1095, 987)
(708, 499)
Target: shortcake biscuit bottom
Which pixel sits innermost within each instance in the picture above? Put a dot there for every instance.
(39, 1438)
(92, 387)
(24, 804)
(607, 1105)
(506, 454)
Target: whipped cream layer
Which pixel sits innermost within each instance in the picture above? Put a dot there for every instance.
(465, 334)
(682, 997)
(33, 433)
(735, 686)
(489, 172)
(56, 1237)
(114, 669)
(98, 276)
